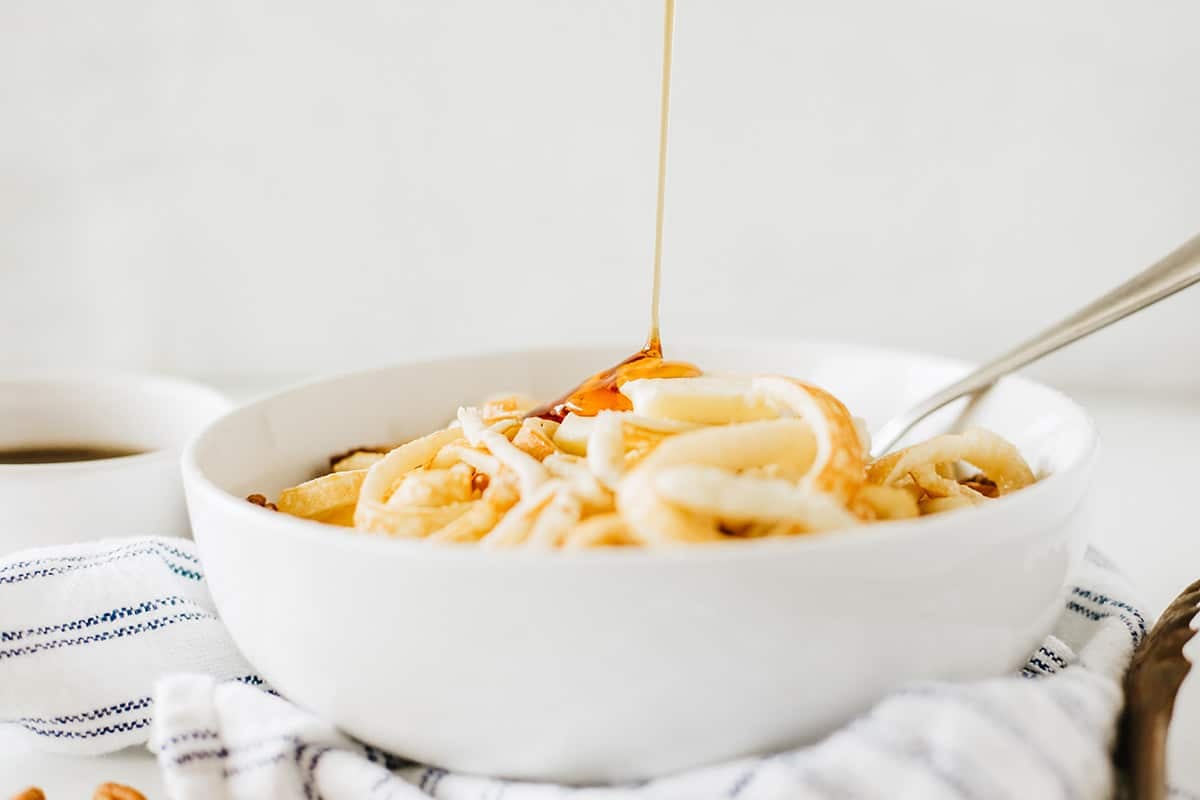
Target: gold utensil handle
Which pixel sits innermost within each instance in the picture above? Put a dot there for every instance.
(1151, 686)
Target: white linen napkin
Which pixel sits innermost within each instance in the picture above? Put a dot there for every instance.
(86, 632)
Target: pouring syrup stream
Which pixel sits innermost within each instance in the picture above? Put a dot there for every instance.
(654, 341)
(602, 391)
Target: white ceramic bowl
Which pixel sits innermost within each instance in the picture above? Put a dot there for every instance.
(622, 664)
(46, 504)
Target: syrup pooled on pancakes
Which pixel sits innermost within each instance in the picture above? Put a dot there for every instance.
(602, 391)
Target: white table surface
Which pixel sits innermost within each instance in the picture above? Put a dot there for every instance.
(1148, 522)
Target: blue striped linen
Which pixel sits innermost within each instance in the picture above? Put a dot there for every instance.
(101, 644)
(85, 632)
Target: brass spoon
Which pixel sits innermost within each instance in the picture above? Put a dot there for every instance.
(1151, 686)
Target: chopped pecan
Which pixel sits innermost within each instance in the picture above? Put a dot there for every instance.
(982, 484)
(260, 500)
(376, 448)
(116, 791)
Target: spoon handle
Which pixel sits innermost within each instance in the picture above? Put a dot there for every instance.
(1177, 270)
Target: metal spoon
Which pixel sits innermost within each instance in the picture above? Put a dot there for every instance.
(1178, 270)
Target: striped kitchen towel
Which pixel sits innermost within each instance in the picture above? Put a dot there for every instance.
(96, 639)
(87, 629)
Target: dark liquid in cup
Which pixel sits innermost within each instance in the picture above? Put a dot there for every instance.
(56, 454)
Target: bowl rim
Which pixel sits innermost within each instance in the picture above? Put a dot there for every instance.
(199, 486)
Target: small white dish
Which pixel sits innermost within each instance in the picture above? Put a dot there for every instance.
(71, 501)
(623, 664)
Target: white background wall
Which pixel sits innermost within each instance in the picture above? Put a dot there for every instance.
(298, 186)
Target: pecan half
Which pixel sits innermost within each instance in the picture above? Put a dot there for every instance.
(117, 791)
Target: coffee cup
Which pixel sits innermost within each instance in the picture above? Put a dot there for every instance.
(88, 455)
